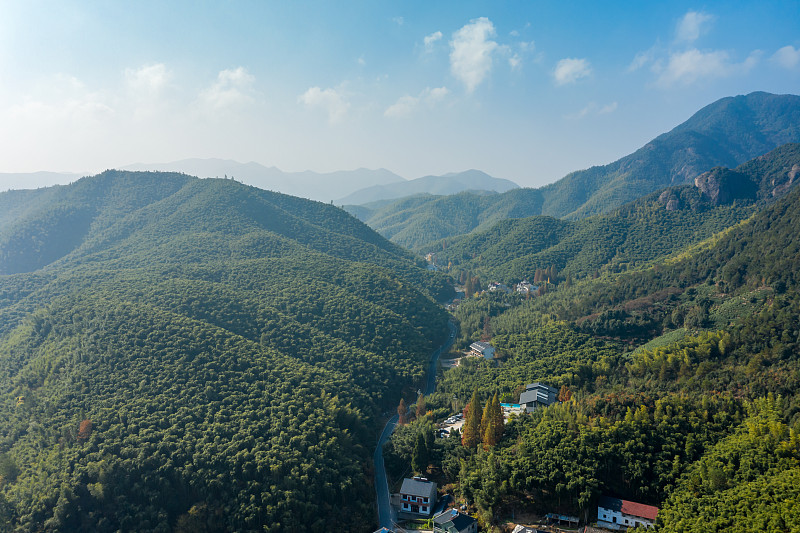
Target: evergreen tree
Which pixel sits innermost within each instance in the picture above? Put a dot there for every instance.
(419, 460)
(485, 417)
(492, 424)
(488, 435)
(497, 416)
(471, 431)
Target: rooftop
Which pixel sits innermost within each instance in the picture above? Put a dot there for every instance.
(459, 521)
(480, 345)
(418, 487)
(628, 507)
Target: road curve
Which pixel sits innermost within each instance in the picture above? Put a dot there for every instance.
(387, 516)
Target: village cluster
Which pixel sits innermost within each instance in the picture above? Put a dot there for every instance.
(418, 496)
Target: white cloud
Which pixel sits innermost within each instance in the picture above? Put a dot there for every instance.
(233, 87)
(515, 58)
(788, 57)
(406, 105)
(398, 20)
(608, 108)
(429, 40)
(437, 94)
(641, 59)
(692, 25)
(361, 61)
(327, 99)
(593, 109)
(471, 52)
(686, 68)
(149, 79)
(570, 70)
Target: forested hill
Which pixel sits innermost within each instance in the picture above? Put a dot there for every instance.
(679, 381)
(416, 221)
(180, 354)
(725, 133)
(662, 223)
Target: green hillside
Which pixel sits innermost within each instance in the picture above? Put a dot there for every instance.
(680, 383)
(199, 355)
(660, 224)
(416, 221)
(725, 133)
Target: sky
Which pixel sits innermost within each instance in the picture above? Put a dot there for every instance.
(523, 90)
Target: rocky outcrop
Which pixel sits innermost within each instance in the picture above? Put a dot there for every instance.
(722, 186)
(780, 187)
(669, 200)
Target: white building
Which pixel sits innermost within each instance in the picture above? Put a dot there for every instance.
(483, 349)
(537, 395)
(418, 496)
(495, 286)
(614, 513)
(526, 287)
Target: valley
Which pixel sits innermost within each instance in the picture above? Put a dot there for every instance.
(186, 354)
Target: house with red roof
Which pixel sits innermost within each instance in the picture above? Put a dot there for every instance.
(614, 513)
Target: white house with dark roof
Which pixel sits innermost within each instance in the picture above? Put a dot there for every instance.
(451, 521)
(614, 513)
(524, 287)
(484, 349)
(417, 496)
(537, 395)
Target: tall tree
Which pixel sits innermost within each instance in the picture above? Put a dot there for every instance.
(487, 329)
(564, 394)
(419, 459)
(401, 412)
(471, 432)
(421, 409)
(492, 425)
(497, 416)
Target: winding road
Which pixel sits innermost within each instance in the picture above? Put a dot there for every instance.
(387, 516)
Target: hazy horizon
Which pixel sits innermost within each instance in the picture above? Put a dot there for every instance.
(522, 92)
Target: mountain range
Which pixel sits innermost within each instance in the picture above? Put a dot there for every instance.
(725, 133)
(342, 187)
(642, 231)
(453, 183)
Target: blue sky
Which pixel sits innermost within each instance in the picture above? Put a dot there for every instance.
(523, 90)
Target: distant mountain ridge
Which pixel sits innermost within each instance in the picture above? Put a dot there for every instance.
(725, 133)
(452, 183)
(652, 227)
(319, 186)
(34, 180)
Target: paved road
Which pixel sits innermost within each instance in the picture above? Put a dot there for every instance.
(430, 386)
(387, 516)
